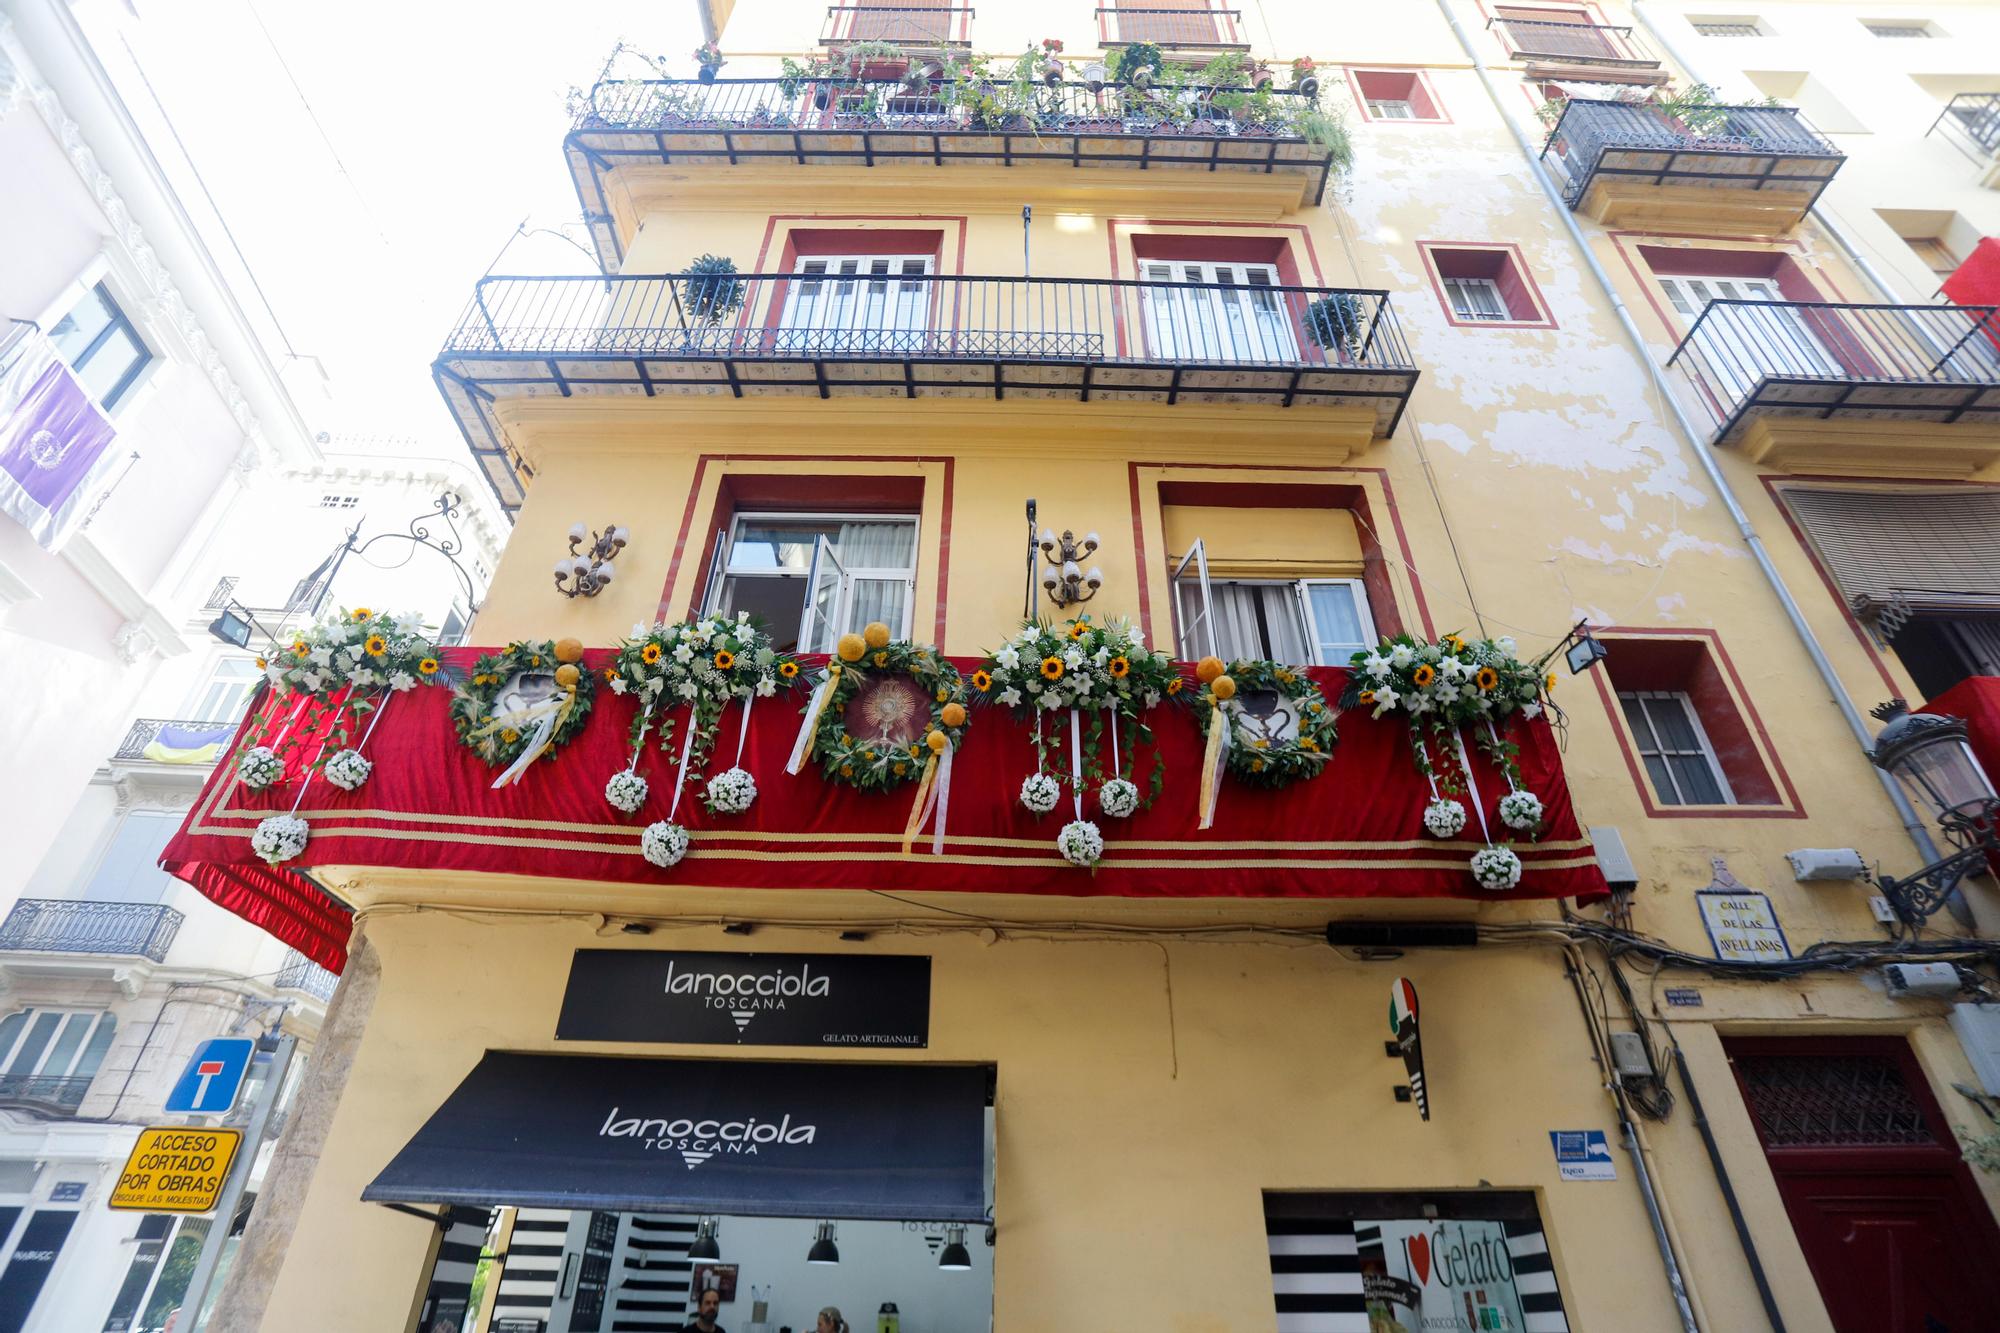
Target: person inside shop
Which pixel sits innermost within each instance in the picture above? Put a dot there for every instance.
(705, 1312)
(831, 1322)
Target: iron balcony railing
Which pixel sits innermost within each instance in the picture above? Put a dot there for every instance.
(61, 925)
(1974, 117)
(912, 317)
(1572, 43)
(225, 589)
(145, 730)
(45, 1090)
(915, 26)
(302, 974)
(1742, 147)
(1830, 359)
(1182, 29)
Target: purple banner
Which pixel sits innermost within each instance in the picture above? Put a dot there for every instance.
(53, 439)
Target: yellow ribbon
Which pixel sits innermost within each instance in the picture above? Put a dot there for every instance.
(917, 808)
(802, 748)
(1211, 760)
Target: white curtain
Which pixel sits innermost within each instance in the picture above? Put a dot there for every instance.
(881, 545)
(1281, 636)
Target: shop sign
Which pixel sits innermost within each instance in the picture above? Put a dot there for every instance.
(1583, 1154)
(1439, 1275)
(1743, 927)
(176, 1169)
(1408, 1041)
(747, 999)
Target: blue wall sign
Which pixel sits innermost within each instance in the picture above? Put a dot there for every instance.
(213, 1077)
(1583, 1154)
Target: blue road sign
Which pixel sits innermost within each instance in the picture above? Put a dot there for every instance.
(209, 1084)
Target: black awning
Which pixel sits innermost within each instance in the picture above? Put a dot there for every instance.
(752, 1137)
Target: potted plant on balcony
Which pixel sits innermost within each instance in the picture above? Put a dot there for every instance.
(708, 293)
(708, 61)
(1137, 64)
(1052, 66)
(1304, 77)
(1334, 323)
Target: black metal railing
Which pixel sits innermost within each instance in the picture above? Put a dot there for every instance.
(1741, 146)
(62, 925)
(302, 974)
(1174, 29)
(930, 317)
(787, 107)
(1738, 350)
(45, 1090)
(225, 589)
(1973, 117)
(1572, 43)
(916, 26)
(145, 730)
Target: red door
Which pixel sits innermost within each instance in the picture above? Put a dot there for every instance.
(1898, 1236)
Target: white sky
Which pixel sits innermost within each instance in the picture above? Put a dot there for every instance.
(369, 198)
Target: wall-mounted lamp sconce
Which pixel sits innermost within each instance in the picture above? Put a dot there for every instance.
(589, 571)
(1064, 578)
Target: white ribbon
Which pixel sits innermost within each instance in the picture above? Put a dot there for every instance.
(306, 781)
(681, 773)
(298, 706)
(938, 801)
(1471, 783)
(645, 724)
(379, 708)
(543, 715)
(744, 734)
(1111, 720)
(814, 707)
(1076, 760)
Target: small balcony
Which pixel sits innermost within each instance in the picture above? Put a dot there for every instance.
(99, 929)
(917, 27)
(303, 975)
(1971, 123)
(1209, 31)
(44, 1093)
(884, 334)
(1595, 52)
(165, 740)
(1739, 169)
(1913, 390)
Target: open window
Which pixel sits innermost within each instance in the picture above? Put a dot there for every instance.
(810, 578)
(1307, 621)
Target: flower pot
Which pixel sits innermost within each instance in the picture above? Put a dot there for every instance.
(706, 73)
(822, 97)
(1093, 77)
(1260, 78)
(1052, 71)
(1142, 77)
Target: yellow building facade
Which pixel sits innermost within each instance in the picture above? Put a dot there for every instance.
(1586, 349)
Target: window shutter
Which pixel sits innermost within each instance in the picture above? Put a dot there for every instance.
(1939, 550)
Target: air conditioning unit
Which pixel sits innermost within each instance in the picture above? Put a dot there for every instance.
(1914, 980)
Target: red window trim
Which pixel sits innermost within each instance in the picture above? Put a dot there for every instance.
(1420, 83)
(1513, 276)
(1273, 248)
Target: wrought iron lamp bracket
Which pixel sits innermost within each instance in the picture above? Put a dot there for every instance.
(1974, 829)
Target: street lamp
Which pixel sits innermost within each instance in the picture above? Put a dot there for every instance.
(1927, 753)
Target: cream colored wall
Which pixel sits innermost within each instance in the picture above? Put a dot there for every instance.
(1133, 1143)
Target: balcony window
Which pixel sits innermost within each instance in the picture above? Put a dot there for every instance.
(101, 346)
(857, 303)
(1567, 33)
(1171, 24)
(1307, 621)
(50, 1056)
(1689, 734)
(811, 578)
(222, 696)
(1395, 94)
(1234, 315)
(1752, 343)
(1675, 750)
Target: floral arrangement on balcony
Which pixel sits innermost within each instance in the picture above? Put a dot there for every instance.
(705, 664)
(341, 670)
(524, 702)
(708, 61)
(883, 710)
(1107, 680)
(1305, 77)
(1444, 688)
(1280, 730)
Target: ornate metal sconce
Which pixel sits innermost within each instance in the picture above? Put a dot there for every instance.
(1067, 582)
(589, 571)
(1929, 755)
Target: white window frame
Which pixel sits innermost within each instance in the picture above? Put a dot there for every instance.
(857, 303)
(1391, 108)
(723, 570)
(1706, 748)
(215, 681)
(1194, 629)
(124, 283)
(1792, 348)
(41, 1069)
(1462, 293)
(1231, 321)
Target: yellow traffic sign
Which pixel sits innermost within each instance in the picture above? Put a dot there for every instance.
(176, 1169)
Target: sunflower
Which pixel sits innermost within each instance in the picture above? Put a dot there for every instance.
(982, 681)
(427, 667)
(376, 645)
(1118, 666)
(509, 735)
(261, 664)
(650, 654)
(942, 694)
(299, 648)
(610, 674)
(1367, 696)
(902, 769)
(724, 659)
(1052, 668)
(1257, 766)
(1487, 678)
(847, 770)
(1308, 743)
(1456, 642)
(1549, 683)
(788, 669)
(1175, 685)
(882, 659)
(1284, 677)
(361, 613)
(1078, 630)
(1424, 675)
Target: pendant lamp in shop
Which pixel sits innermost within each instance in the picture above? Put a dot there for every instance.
(704, 1246)
(823, 1250)
(954, 1258)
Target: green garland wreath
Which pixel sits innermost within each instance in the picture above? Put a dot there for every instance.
(1258, 760)
(869, 763)
(472, 703)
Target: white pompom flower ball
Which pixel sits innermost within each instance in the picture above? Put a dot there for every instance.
(348, 770)
(731, 792)
(1118, 798)
(1080, 843)
(260, 767)
(1040, 792)
(1521, 811)
(280, 838)
(664, 844)
(626, 791)
(1444, 817)
(1496, 868)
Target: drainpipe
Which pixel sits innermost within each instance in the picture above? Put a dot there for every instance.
(1883, 287)
(1913, 824)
